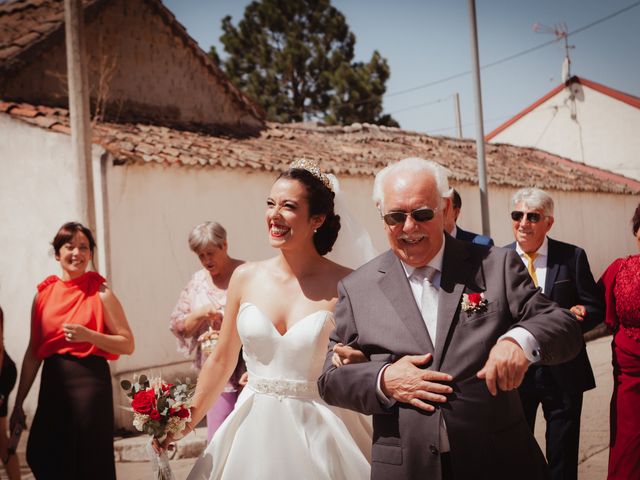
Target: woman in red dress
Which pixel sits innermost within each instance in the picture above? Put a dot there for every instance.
(77, 324)
(621, 284)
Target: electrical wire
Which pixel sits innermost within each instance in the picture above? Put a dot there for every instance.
(515, 55)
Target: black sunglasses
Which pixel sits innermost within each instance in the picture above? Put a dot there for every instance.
(533, 217)
(419, 215)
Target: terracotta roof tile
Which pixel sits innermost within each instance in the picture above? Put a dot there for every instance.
(358, 150)
(27, 39)
(24, 111)
(9, 51)
(61, 128)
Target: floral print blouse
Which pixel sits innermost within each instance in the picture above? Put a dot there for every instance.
(199, 292)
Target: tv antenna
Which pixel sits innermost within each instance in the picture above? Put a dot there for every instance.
(560, 31)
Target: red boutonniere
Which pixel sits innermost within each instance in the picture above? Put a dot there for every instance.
(473, 302)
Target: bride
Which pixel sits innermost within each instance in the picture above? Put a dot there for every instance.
(280, 310)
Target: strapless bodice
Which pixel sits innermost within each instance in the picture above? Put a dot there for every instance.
(295, 358)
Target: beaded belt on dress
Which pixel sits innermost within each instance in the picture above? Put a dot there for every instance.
(280, 387)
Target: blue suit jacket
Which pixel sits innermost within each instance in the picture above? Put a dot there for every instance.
(569, 282)
(473, 237)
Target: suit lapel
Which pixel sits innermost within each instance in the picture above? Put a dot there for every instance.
(553, 266)
(395, 285)
(454, 278)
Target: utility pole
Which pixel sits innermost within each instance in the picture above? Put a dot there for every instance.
(456, 108)
(482, 174)
(79, 110)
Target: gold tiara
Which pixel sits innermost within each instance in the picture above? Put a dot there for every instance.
(313, 167)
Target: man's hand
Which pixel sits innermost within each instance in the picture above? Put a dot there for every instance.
(505, 367)
(579, 311)
(344, 355)
(405, 382)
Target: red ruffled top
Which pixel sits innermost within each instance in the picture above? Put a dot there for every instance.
(71, 301)
(621, 283)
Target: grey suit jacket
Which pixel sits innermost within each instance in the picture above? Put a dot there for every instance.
(377, 313)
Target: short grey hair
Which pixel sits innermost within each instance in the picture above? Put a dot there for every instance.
(533, 198)
(205, 234)
(412, 164)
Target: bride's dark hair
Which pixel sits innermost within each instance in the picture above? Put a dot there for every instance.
(320, 200)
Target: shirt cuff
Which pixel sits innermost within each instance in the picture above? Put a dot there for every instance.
(527, 342)
(382, 398)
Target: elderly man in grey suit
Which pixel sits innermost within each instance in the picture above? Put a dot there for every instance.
(448, 328)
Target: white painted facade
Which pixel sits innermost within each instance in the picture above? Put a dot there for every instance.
(583, 124)
(149, 210)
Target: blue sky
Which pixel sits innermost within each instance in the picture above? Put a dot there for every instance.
(428, 40)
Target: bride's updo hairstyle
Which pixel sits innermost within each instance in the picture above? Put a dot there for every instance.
(320, 199)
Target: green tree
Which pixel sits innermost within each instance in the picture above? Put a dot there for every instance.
(295, 59)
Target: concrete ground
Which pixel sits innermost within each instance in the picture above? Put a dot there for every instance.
(593, 442)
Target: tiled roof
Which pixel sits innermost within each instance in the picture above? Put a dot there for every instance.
(352, 150)
(28, 26)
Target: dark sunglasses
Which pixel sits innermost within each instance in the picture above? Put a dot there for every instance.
(419, 215)
(533, 217)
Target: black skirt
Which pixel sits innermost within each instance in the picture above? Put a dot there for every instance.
(71, 436)
(8, 377)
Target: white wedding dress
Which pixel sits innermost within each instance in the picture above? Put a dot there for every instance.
(280, 427)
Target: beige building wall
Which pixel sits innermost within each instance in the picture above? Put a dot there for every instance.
(140, 65)
(584, 125)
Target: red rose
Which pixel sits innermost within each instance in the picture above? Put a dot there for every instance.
(183, 413)
(166, 387)
(144, 402)
(154, 415)
(475, 298)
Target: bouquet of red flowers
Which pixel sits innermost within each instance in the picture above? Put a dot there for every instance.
(160, 408)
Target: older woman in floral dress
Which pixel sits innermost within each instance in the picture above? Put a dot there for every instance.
(197, 317)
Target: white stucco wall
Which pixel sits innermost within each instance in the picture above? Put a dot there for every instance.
(37, 182)
(595, 129)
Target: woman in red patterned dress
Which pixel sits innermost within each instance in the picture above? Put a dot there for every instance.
(621, 284)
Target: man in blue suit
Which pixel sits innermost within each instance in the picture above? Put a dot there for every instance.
(450, 219)
(562, 272)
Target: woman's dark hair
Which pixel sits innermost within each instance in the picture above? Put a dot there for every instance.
(320, 200)
(67, 232)
(635, 221)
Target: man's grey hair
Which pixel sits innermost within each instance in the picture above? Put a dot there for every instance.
(412, 164)
(533, 198)
(205, 234)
